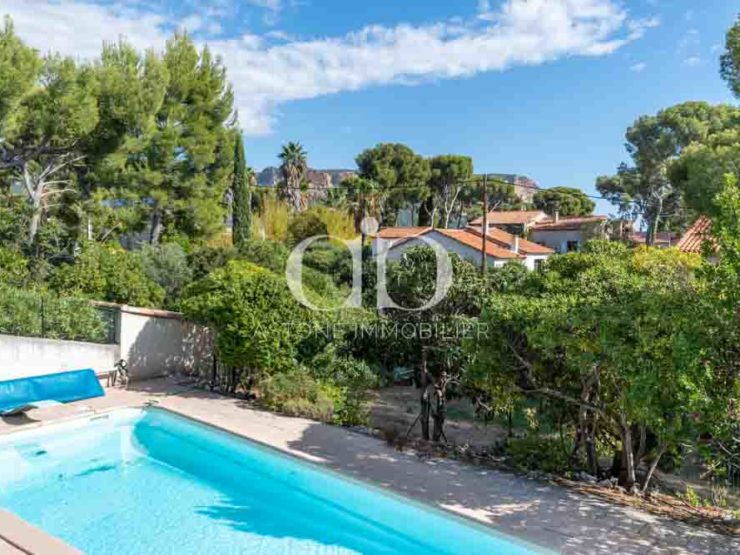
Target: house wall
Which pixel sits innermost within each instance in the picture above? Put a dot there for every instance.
(558, 239)
(153, 342)
(531, 261)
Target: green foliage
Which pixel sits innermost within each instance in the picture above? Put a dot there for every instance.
(19, 68)
(449, 174)
(333, 389)
(242, 196)
(107, 273)
(567, 201)
(352, 380)
(654, 142)
(331, 258)
(171, 165)
(296, 393)
(268, 254)
(293, 167)
(41, 314)
(543, 453)
(608, 328)
(203, 260)
(13, 268)
(272, 222)
(167, 265)
(338, 223)
(401, 175)
(361, 197)
(699, 173)
(305, 225)
(259, 325)
(730, 60)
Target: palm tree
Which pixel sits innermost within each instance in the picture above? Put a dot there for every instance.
(293, 169)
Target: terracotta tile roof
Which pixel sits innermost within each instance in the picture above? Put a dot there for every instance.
(512, 217)
(568, 223)
(665, 238)
(476, 241)
(400, 232)
(694, 238)
(506, 240)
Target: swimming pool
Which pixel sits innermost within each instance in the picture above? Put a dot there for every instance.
(148, 481)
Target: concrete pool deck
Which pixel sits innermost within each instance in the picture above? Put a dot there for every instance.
(541, 513)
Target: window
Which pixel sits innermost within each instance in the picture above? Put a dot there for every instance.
(538, 264)
(572, 246)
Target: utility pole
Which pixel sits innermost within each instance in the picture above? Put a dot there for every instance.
(484, 258)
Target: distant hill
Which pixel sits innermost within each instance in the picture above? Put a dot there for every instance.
(270, 176)
(524, 187)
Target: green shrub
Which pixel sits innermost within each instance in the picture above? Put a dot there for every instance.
(41, 314)
(13, 267)
(272, 221)
(353, 380)
(305, 225)
(107, 273)
(296, 393)
(204, 260)
(167, 265)
(268, 254)
(536, 452)
(260, 327)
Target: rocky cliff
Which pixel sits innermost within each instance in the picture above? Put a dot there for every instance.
(270, 176)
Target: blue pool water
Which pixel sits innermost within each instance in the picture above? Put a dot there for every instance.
(137, 482)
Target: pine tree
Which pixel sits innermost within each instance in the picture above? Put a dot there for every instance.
(242, 196)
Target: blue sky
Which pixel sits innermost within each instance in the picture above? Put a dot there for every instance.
(543, 88)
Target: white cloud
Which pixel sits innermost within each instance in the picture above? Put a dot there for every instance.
(692, 61)
(638, 67)
(266, 75)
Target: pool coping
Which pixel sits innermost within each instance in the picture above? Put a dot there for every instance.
(23, 537)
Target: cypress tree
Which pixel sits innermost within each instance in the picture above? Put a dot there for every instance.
(242, 196)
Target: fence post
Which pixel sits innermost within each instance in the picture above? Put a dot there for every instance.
(43, 319)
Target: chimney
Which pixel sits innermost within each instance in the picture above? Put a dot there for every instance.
(515, 244)
(557, 215)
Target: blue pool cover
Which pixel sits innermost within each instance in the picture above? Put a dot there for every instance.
(64, 387)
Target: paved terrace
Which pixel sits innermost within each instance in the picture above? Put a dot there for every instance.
(544, 514)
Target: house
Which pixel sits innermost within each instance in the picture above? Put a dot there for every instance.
(389, 235)
(696, 236)
(517, 222)
(568, 234)
(501, 247)
(663, 239)
(535, 254)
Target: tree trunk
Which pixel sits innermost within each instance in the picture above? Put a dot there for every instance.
(591, 456)
(653, 465)
(33, 227)
(156, 231)
(628, 459)
(426, 410)
(35, 192)
(426, 401)
(440, 414)
(642, 444)
(426, 213)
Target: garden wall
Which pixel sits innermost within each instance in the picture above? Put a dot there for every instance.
(21, 357)
(153, 342)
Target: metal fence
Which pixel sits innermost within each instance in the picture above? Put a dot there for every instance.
(35, 314)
